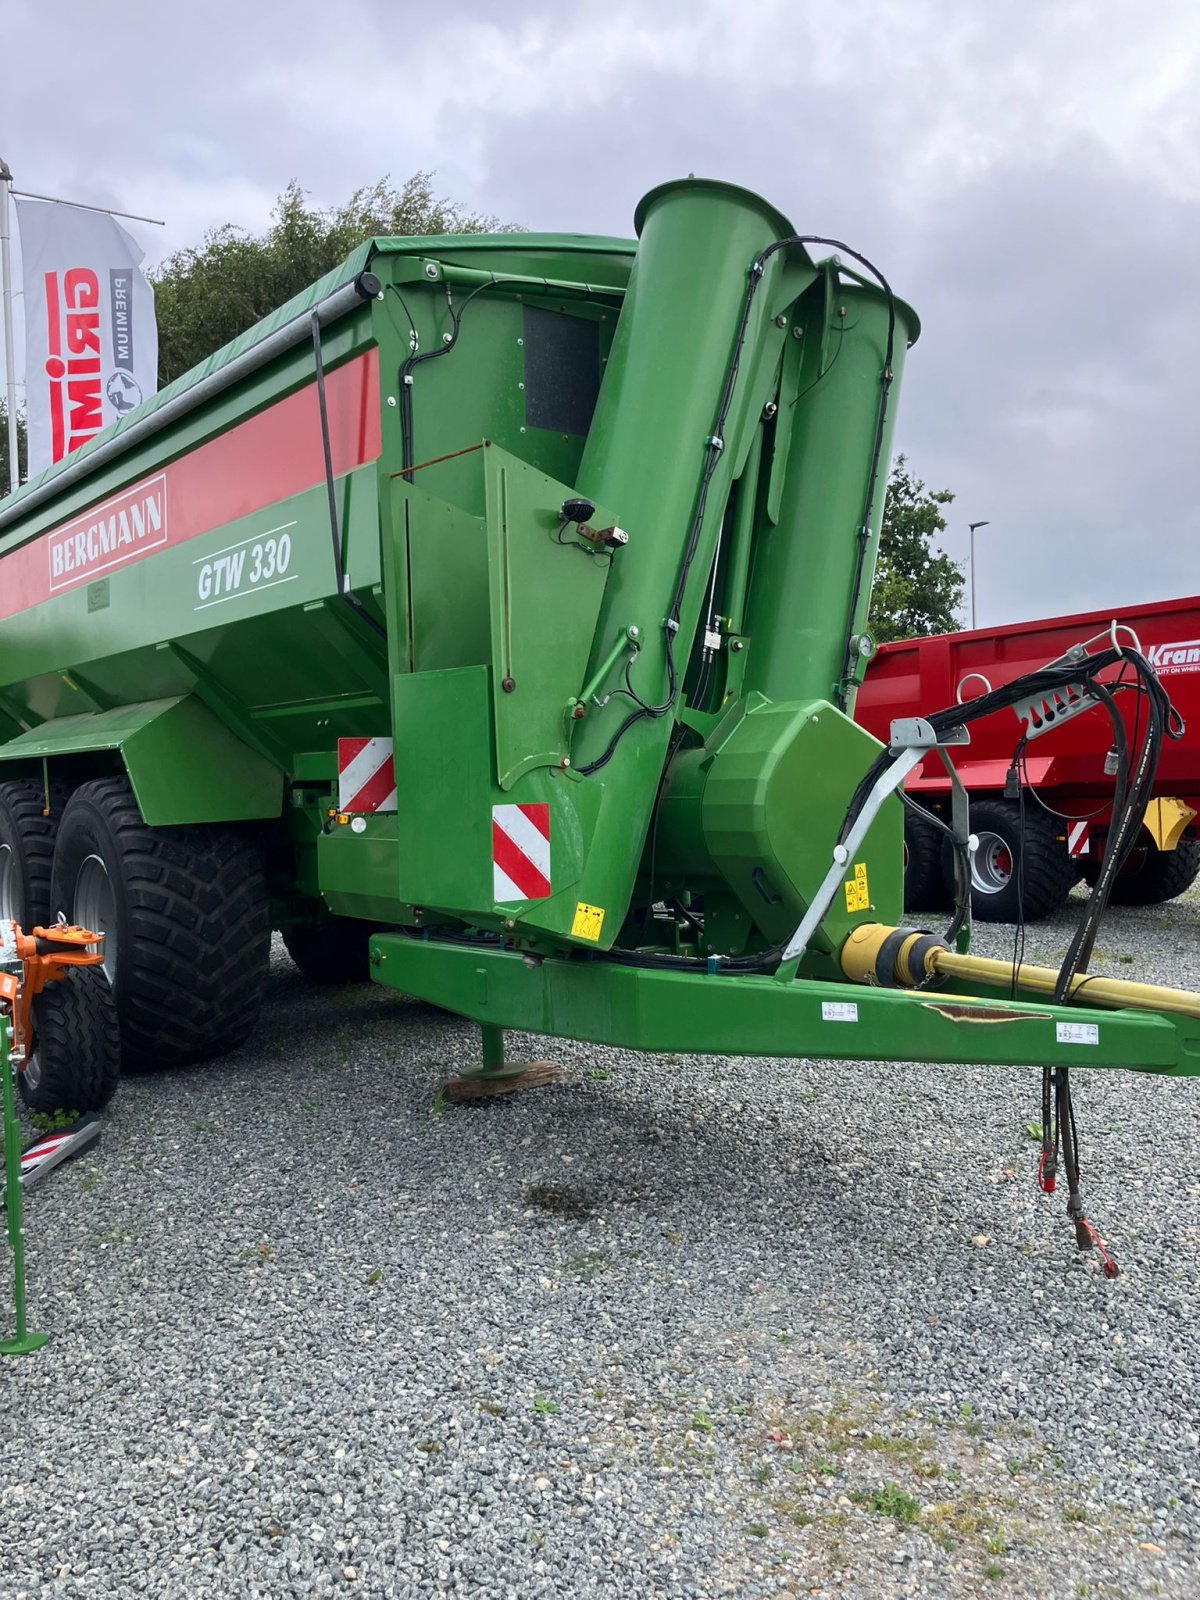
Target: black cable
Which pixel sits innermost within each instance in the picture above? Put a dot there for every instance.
(335, 531)
(715, 448)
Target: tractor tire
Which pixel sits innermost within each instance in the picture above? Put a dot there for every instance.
(1046, 873)
(187, 921)
(924, 886)
(333, 950)
(1151, 876)
(27, 850)
(75, 1061)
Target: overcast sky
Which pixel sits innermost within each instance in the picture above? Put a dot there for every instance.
(1026, 174)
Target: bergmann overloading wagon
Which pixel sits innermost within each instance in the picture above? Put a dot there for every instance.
(492, 614)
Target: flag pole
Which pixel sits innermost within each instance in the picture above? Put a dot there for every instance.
(82, 205)
(10, 359)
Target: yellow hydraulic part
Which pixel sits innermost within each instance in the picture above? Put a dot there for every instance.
(908, 957)
(1165, 820)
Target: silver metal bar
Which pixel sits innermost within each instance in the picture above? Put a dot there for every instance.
(81, 205)
(10, 357)
(86, 460)
(887, 783)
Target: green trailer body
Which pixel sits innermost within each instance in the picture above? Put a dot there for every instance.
(507, 597)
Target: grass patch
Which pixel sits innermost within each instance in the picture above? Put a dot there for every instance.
(889, 1501)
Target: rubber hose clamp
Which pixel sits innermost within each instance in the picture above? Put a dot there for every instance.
(885, 961)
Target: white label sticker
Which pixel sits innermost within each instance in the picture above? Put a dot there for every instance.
(839, 1011)
(1078, 1032)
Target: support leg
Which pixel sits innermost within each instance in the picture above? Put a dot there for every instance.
(495, 1075)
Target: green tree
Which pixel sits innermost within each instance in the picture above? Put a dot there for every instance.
(21, 447)
(918, 589)
(206, 296)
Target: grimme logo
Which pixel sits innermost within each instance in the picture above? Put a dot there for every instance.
(1181, 656)
(73, 365)
(120, 530)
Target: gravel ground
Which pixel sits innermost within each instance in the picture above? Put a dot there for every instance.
(678, 1327)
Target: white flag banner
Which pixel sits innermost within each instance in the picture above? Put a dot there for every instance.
(91, 342)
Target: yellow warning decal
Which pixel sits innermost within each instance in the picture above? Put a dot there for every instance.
(858, 896)
(588, 921)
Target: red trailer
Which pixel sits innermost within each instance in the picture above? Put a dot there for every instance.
(1042, 820)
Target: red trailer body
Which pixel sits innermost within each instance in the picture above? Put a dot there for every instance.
(1064, 766)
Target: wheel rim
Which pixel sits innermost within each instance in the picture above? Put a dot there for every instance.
(992, 868)
(95, 908)
(9, 887)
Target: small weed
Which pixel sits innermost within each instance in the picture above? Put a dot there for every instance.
(136, 1164)
(90, 1183)
(974, 1429)
(702, 1420)
(1126, 961)
(439, 1102)
(758, 1530)
(53, 1121)
(997, 1545)
(544, 1406)
(493, 1408)
(826, 1469)
(993, 1570)
(1014, 1467)
(890, 1501)
(1075, 1514)
(374, 1275)
(1033, 1130)
(308, 1105)
(203, 1125)
(430, 1446)
(599, 1074)
(763, 1474)
(739, 1408)
(801, 1519)
(966, 1409)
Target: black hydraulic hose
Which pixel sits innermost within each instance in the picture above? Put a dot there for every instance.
(716, 446)
(335, 531)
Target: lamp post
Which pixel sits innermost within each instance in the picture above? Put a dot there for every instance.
(973, 526)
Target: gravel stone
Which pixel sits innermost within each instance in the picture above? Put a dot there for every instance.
(678, 1327)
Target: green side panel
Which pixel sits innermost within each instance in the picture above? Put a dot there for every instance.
(184, 764)
(439, 574)
(358, 872)
(445, 791)
(545, 592)
(641, 1009)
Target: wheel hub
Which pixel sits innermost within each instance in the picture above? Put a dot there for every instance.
(95, 908)
(992, 868)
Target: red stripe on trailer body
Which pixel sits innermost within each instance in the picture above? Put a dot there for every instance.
(271, 456)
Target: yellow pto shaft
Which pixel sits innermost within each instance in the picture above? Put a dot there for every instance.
(902, 958)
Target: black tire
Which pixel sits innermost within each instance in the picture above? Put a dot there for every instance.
(1036, 858)
(333, 950)
(27, 850)
(1151, 876)
(187, 916)
(75, 1062)
(924, 886)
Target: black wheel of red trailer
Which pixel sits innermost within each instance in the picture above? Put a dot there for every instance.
(186, 922)
(924, 886)
(27, 831)
(331, 950)
(1018, 871)
(1150, 876)
(75, 1061)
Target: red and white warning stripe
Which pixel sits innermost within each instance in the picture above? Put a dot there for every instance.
(521, 852)
(366, 775)
(39, 1153)
(1077, 839)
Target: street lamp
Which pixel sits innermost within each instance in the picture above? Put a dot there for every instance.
(973, 526)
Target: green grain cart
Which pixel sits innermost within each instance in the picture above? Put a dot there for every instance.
(488, 619)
